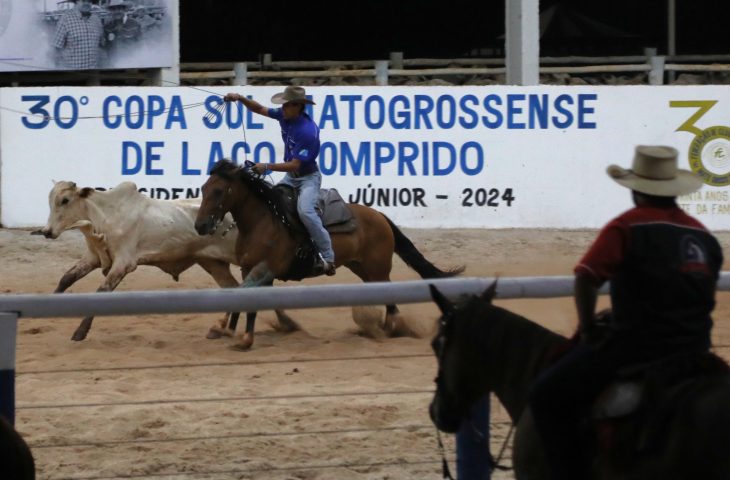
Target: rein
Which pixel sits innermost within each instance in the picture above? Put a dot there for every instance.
(494, 464)
(219, 208)
(445, 472)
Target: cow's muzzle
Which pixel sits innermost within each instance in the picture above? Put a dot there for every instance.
(45, 232)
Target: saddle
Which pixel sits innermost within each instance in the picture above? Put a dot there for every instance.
(632, 413)
(648, 395)
(336, 218)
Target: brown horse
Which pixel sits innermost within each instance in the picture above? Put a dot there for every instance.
(269, 248)
(482, 348)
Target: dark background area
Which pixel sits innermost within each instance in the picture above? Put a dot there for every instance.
(215, 30)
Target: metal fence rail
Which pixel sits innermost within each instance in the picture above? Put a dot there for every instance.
(269, 298)
(13, 306)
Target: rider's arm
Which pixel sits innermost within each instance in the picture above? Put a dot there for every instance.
(252, 105)
(586, 296)
(290, 166)
(597, 266)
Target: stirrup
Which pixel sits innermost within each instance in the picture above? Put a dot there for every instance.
(329, 268)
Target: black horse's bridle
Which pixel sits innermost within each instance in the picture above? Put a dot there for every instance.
(441, 341)
(446, 318)
(215, 222)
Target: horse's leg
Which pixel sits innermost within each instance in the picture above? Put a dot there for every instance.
(77, 272)
(258, 276)
(393, 320)
(284, 322)
(221, 273)
(374, 272)
(116, 273)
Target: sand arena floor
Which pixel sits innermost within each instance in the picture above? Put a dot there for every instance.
(150, 397)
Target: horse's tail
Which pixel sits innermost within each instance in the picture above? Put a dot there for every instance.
(415, 259)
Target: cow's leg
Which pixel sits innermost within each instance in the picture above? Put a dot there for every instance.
(116, 274)
(77, 272)
(258, 276)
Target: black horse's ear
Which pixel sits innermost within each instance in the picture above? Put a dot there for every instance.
(443, 303)
(491, 292)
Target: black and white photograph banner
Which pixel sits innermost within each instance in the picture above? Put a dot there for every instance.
(40, 35)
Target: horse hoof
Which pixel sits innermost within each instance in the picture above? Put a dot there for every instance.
(78, 336)
(214, 334)
(241, 347)
(286, 326)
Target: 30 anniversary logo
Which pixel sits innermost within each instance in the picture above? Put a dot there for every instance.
(709, 152)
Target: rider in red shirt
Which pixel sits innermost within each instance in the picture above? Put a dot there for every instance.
(663, 266)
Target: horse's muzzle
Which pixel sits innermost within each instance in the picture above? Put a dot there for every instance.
(205, 227)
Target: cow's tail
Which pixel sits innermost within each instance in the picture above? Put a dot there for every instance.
(415, 259)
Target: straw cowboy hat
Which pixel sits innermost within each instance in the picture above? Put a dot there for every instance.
(291, 94)
(655, 172)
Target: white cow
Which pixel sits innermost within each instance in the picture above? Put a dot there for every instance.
(124, 228)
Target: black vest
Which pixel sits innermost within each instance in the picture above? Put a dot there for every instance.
(665, 291)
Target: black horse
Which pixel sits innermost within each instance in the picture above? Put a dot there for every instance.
(482, 348)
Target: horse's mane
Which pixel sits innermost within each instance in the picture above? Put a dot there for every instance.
(484, 325)
(480, 316)
(506, 347)
(262, 189)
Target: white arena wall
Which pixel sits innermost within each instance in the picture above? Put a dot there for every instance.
(428, 157)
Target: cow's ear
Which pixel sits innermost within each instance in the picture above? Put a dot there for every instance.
(85, 192)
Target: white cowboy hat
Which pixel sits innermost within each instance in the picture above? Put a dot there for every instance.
(291, 94)
(655, 172)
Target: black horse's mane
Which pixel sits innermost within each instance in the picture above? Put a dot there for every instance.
(264, 190)
(480, 320)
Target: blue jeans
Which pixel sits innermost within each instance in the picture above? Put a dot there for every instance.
(472, 444)
(308, 188)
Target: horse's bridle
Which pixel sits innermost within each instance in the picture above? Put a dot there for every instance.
(219, 209)
(441, 340)
(446, 318)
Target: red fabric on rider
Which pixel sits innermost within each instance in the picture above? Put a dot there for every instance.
(607, 253)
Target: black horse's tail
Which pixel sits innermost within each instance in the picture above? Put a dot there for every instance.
(415, 259)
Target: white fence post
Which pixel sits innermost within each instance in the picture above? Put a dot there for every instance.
(8, 333)
(240, 72)
(381, 72)
(656, 74)
(396, 60)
